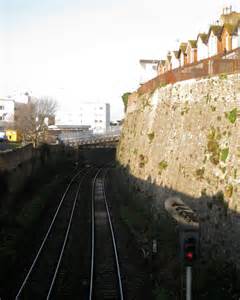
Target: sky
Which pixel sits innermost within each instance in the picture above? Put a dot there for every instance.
(88, 50)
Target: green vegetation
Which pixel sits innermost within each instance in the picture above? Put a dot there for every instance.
(228, 190)
(224, 154)
(162, 166)
(160, 294)
(232, 115)
(208, 98)
(200, 173)
(213, 108)
(151, 136)
(143, 160)
(185, 110)
(125, 97)
(223, 76)
(213, 145)
(162, 84)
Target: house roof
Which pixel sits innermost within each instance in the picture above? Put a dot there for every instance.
(148, 61)
(203, 37)
(162, 62)
(183, 47)
(192, 43)
(175, 53)
(229, 28)
(216, 30)
(235, 31)
(231, 18)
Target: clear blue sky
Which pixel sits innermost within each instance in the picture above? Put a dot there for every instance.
(88, 50)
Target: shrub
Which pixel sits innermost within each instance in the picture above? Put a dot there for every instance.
(151, 136)
(224, 154)
(162, 166)
(232, 115)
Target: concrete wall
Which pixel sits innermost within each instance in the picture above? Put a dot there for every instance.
(11, 159)
(184, 139)
(17, 165)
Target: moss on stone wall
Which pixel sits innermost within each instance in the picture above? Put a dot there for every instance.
(195, 146)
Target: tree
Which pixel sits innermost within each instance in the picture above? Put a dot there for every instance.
(125, 100)
(31, 119)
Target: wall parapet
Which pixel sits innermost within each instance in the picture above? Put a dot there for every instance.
(11, 159)
(222, 63)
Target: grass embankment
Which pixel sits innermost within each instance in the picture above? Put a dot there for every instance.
(19, 225)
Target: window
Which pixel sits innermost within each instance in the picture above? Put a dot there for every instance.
(1, 107)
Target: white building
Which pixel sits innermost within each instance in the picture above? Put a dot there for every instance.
(236, 37)
(175, 61)
(96, 115)
(214, 43)
(149, 69)
(202, 46)
(7, 106)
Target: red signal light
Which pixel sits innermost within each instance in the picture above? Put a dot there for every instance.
(189, 248)
(189, 256)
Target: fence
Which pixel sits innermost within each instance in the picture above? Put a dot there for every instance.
(226, 63)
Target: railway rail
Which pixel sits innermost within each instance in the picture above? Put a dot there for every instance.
(41, 276)
(105, 274)
(48, 277)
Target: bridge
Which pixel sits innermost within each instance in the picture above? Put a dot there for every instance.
(108, 140)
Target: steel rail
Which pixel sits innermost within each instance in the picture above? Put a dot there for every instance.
(113, 241)
(65, 239)
(46, 236)
(93, 237)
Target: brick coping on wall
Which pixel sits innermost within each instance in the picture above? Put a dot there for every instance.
(211, 66)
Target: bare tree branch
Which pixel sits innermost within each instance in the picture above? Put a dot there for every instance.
(31, 119)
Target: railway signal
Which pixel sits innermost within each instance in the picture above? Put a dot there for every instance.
(188, 226)
(189, 247)
(189, 251)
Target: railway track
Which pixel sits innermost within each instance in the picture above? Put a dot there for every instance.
(41, 276)
(105, 275)
(60, 269)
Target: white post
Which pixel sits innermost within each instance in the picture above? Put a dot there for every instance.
(188, 283)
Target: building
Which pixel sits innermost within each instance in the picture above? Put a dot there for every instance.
(161, 67)
(168, 64)
(95, 115)
(191, 51)
(227, 37)
(7, 107)
(236, 37)
(149, 69)
(175, 62)
(182, 54)
(214, 40)
(202, 46)
(229, 17)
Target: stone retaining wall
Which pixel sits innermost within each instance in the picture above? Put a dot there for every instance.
(185, 139)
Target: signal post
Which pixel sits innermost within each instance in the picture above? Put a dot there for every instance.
(188, 226)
